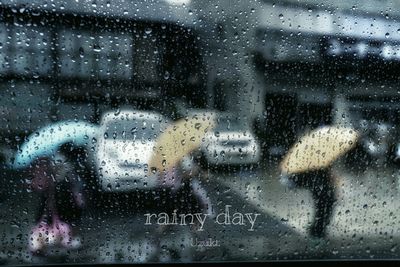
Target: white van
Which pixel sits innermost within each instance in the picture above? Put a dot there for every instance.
(124, 146)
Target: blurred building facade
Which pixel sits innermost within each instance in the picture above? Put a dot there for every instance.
(301, 64)
(75, 60)
(276, 65)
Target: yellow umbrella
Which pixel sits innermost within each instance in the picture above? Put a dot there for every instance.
(179, 139)
(318, 149)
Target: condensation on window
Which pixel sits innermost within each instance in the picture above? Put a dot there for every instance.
(198, 131)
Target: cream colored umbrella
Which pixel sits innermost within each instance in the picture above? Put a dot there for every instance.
(319, 149)
(179, 139)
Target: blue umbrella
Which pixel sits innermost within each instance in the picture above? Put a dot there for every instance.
(46, 141)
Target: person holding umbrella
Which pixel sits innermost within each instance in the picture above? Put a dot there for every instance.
(40, 154)
(51, 228)
(308, 164)
(178, 174)
(172, 160)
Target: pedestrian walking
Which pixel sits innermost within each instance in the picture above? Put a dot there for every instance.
(308, 164)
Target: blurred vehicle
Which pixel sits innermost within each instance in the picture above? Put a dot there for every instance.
(232, 148)
(378, 139)
(124, 147)
(230, 143)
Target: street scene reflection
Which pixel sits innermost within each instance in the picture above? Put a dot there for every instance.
(198, 131)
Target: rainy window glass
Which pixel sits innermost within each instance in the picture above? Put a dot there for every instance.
(84, 55)
(172, 131)
(25, 50)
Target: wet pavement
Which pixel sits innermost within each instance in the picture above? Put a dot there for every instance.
(365, 224)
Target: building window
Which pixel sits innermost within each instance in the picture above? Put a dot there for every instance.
(25, 50)
(87, 55)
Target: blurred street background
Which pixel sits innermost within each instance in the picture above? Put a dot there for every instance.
(88, 88)
(364, 225)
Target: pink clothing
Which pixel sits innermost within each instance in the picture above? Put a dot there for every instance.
(57, 233)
